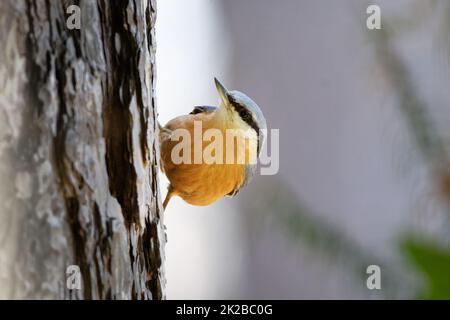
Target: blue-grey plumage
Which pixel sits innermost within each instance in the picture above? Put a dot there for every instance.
(242, 103)
(203, 184)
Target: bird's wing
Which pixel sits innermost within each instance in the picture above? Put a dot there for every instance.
(203, 109)
(165, 132)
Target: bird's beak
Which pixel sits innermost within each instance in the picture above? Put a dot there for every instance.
(223, 92)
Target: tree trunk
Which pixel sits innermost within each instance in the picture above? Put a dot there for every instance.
(78, 151)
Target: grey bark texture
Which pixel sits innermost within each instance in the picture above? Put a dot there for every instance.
(78, 151)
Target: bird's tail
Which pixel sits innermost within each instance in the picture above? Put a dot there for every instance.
(164, 133)
(169, 195)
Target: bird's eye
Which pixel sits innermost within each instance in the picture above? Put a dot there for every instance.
(245, 115)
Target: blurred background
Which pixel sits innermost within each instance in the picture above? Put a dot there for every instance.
(364, 125)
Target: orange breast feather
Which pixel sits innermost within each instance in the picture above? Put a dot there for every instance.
(199, 184)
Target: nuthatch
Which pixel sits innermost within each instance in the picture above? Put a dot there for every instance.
(204, 183)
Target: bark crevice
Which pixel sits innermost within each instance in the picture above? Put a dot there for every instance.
(90, 112)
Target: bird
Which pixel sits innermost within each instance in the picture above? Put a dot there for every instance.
(204, 183)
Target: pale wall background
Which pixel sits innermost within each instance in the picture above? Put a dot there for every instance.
(344, 147)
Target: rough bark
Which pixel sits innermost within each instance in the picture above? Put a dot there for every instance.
(78, 154)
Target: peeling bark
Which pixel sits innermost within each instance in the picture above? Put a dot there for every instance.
(78, 151)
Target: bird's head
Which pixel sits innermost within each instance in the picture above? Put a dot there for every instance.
(243, 111)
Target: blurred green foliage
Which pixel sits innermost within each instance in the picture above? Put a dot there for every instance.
(305, 226)
(424, 255)
(434, 263)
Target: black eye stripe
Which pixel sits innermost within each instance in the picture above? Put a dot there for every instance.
(245, 116)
